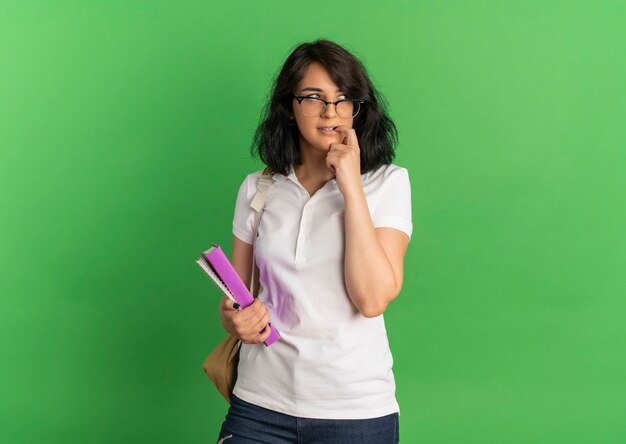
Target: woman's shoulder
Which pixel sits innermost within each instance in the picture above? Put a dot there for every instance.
(254, 175)
(386, 172)
(247, 188)
(251, 178)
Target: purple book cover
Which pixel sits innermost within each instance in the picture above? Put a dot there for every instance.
(224, 269)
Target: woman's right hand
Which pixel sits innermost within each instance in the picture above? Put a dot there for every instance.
(249, 324)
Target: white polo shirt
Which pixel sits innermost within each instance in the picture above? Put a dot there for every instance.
(331, 362)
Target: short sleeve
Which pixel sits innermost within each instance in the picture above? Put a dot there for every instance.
(243, 219)
(393, 207)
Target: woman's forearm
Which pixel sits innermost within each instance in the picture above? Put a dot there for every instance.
(370, 279)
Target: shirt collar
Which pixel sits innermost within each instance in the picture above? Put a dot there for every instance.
(291, 174)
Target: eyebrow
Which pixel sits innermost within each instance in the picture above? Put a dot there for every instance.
(311, 88)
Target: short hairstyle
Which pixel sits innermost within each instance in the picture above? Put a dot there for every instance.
(277, 142)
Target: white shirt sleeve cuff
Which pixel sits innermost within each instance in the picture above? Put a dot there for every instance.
(394, 222)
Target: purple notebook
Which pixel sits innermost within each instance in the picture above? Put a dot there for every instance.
(221, 266)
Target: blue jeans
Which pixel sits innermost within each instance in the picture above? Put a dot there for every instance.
(247, 423)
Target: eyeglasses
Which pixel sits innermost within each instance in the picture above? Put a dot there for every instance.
(314, 107)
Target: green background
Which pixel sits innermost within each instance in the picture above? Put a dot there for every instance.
(124, 136)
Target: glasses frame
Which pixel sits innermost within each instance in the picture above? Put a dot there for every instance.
(326, 103)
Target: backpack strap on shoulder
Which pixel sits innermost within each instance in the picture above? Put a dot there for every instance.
(263, 185)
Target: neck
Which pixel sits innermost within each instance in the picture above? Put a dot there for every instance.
(313, 173)
(313, 168)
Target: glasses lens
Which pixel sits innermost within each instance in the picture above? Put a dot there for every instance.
(347, 109)
(311, 107)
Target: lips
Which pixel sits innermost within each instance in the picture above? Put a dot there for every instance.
(327, 128)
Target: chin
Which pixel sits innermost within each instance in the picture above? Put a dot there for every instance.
(322, 145)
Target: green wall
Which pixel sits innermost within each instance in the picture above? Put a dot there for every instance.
(124, 136)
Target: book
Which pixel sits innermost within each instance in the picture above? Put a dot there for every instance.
(217, 266)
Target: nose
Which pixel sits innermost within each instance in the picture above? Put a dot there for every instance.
(330, 111)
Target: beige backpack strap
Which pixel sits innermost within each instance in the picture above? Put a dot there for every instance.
(258, 204)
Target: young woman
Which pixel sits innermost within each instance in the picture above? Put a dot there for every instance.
(330, 255)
